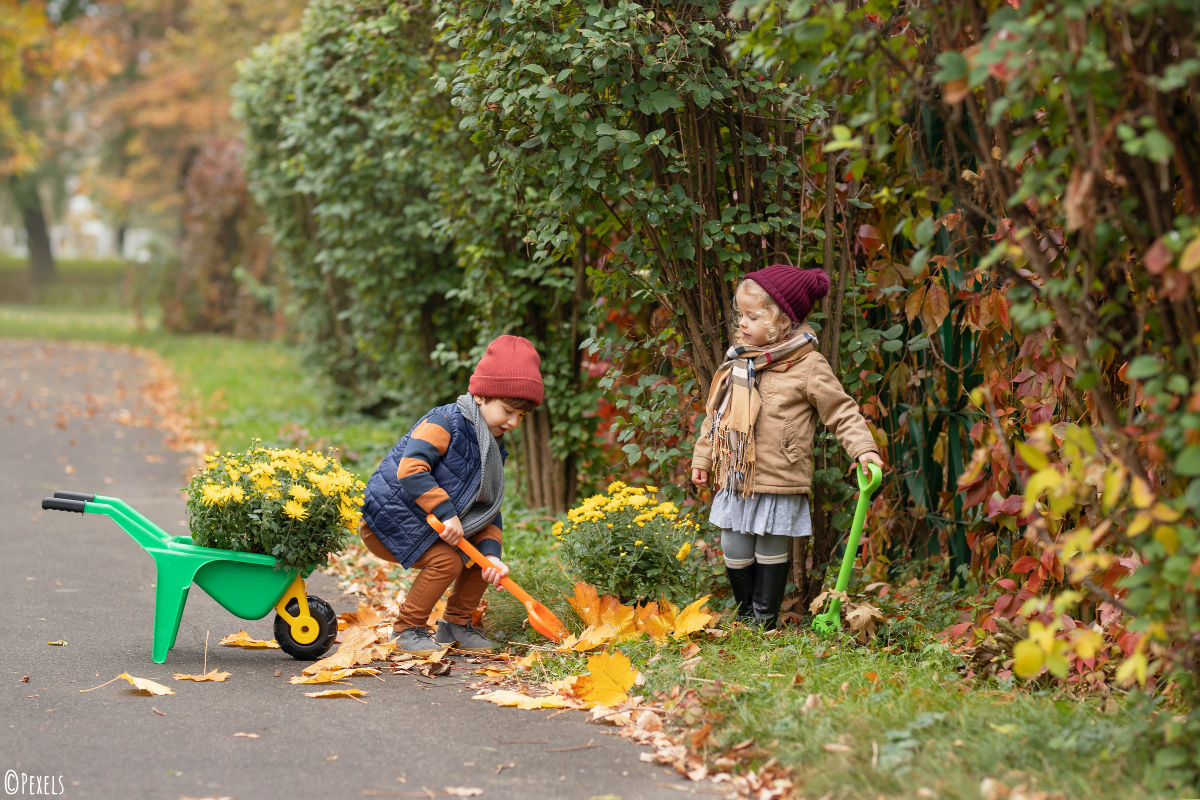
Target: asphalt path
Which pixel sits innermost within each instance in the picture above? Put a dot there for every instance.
(65, 423)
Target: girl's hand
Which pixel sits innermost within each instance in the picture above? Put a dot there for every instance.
(700, 477)
(867, 458)
(496, 573)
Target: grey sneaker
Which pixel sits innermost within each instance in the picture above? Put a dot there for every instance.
(464, 637)
(416, 641)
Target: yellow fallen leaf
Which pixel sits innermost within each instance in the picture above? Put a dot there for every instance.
(211, 675)
(691, 619)
(609, 679)
(529, 660)
(567, 645)
(667, 611)
(492, 672)
(146, 685)
(463, 791)
(507, 697)
(337, 693)
(243, 639)
(650, 621)
(564, 687)
(347, 655)
(623, 618)
(586, 603)
(332, 675)
(365, 617)
(595, 636)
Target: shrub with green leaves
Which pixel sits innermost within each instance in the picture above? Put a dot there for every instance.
(298, 507)
(623, 544)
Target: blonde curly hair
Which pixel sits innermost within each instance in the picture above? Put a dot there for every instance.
(778, 324)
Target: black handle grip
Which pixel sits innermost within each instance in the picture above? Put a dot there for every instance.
(57, 504)
(87, 498)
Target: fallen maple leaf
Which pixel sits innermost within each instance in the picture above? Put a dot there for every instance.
(650, 621)
(667, 611)
(337, 693)
(594, 636)
(463, 791)
(861, 617)
(691, 619)
(211, 675)
(820, 599)
(347, 655)
(506, 697)
(332, 675)
(492, 672)
(529, 660)
(586, 603)
(609, 679)
(689, 651)
(243, 639)
(365, 617)
(146, 685)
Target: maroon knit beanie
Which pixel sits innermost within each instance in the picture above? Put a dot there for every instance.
(795, 290)
(510, 370)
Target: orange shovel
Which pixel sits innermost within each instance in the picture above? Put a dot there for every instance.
(540, 617)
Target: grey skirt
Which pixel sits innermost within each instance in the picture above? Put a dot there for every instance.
(778, 514)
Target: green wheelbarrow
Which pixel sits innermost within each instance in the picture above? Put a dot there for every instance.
(829, 622)
(248, 585)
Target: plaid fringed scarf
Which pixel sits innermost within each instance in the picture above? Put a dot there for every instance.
(734, 402)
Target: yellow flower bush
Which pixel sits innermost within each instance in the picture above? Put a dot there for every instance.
(296, 506)
(624, 543)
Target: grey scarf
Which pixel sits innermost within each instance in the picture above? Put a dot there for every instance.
(485, 505)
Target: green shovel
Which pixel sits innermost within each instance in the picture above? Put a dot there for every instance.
(826, 624)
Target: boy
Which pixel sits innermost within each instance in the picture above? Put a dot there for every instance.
(451, 465)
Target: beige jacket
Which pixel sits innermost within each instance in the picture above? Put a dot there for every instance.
(792, 399)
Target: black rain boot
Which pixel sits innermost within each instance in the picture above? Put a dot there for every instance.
(770, 580)
(742, 582)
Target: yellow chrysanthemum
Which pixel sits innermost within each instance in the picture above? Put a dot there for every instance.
(211, 495)
(237, 494)
(295, 510)
(300, 492)
(683, 551)
(639, 541)
(615, 487)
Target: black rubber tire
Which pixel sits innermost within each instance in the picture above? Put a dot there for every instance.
(326, 619)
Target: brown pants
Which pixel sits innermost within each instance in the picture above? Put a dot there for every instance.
(440, 565)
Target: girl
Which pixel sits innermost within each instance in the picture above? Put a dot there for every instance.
(757, 438)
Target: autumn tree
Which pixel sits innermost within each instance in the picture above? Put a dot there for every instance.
(52, 56)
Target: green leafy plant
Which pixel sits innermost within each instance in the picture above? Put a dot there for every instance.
(625, 544)
(298, 507)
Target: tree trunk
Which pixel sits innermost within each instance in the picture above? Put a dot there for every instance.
(549, 482)
(41, 259)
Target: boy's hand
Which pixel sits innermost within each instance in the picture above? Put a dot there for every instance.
(497, 573)
(868, 458)
(452, 533)
(700, 477)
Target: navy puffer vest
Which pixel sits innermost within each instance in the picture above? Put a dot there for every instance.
(394, 517)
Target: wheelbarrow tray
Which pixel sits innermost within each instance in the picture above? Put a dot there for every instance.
(247, 585)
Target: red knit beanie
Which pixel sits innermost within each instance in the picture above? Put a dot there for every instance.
(794, 289)
(510, 369)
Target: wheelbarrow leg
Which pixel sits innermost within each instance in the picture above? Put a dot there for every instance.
(174, 579)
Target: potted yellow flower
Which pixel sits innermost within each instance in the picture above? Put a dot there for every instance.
(624, 543)
(296, 506)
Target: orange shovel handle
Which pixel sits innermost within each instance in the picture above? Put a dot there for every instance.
(480, 559)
